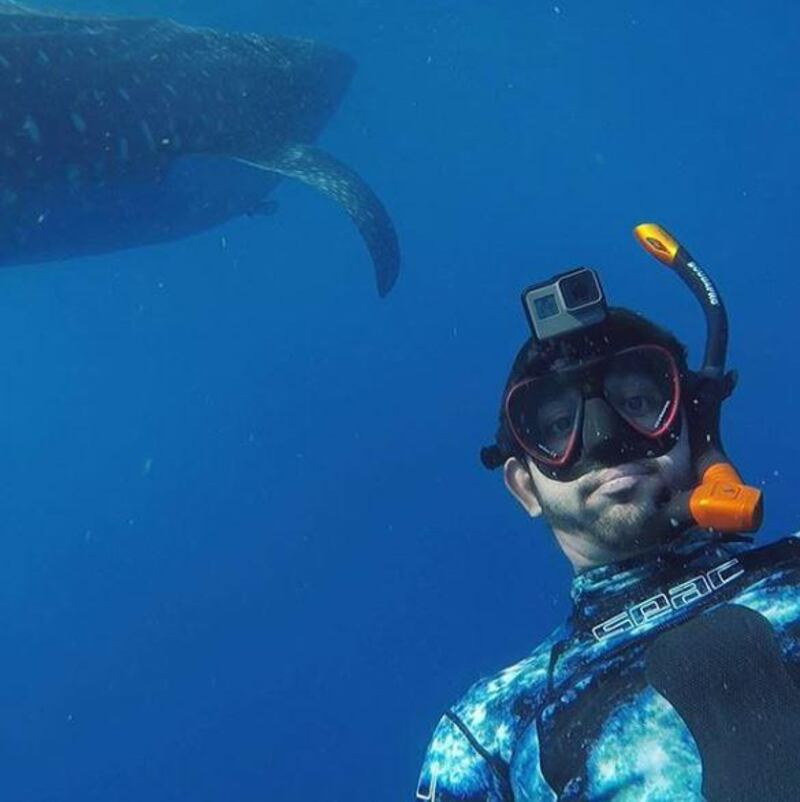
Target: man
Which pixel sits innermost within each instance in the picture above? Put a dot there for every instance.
(676, 675)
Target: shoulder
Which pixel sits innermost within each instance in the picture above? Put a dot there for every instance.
(770, 580)
(474, 741)
(494, 707)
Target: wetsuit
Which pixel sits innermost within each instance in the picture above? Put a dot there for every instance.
(675, 678)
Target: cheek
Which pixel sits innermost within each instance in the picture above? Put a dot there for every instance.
(560, 496)
(676, 466)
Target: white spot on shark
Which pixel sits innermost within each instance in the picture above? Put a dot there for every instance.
(123, 94)
(32, 130)
(147, 134)
(43, 57)
(4, 62)
(78, 122)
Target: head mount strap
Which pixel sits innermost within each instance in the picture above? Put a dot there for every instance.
(492, 457)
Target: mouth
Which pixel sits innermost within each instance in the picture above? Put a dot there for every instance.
(616, 481)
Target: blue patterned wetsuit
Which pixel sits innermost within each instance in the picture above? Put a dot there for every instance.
(714, 626)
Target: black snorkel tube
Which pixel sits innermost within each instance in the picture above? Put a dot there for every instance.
(664, 247)
(720, 501)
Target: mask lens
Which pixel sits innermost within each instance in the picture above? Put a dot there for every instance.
(642, 385)
(544, 415)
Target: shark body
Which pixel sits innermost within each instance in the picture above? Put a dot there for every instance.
(117, 133)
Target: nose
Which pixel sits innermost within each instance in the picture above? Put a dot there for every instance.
(604, 435)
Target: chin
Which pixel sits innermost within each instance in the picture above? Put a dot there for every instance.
(625, 527)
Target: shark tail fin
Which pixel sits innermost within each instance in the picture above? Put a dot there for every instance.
(321, 171)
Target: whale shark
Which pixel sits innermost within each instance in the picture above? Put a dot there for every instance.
(121, 132)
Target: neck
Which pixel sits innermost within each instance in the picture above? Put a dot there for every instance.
(584, 552)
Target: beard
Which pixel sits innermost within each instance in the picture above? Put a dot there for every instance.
(627, 527)
(622, 526)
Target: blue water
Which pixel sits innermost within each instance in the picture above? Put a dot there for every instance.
(249, 551)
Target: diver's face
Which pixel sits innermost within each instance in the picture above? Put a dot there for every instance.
(608, 513)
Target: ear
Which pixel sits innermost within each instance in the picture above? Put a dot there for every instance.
(519, 482)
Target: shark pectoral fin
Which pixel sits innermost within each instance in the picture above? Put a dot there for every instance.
(321, 171)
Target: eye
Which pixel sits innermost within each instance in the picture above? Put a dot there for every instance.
(556, 426)
(638, 404)
(635, 396)
(555, 417)
(559, 426)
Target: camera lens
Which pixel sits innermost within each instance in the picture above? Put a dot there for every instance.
(579, 289)
(545, 307)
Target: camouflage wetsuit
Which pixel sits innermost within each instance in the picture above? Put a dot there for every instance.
(675, 678)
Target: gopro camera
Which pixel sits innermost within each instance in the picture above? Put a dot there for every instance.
(565, 303)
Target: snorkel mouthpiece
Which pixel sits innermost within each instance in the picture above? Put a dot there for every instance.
(721, 501)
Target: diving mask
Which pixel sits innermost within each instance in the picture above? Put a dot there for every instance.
(605, 411)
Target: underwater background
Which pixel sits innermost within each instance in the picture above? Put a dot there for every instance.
(249, 551)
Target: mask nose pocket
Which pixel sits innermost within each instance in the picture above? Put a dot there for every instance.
(604, 433)
(724, 674)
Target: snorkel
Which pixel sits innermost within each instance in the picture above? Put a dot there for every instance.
(721, 501)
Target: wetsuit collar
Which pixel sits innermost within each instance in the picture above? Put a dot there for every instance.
(597, 587)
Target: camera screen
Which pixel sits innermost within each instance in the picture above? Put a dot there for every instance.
(545, 306)
(579, 290)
